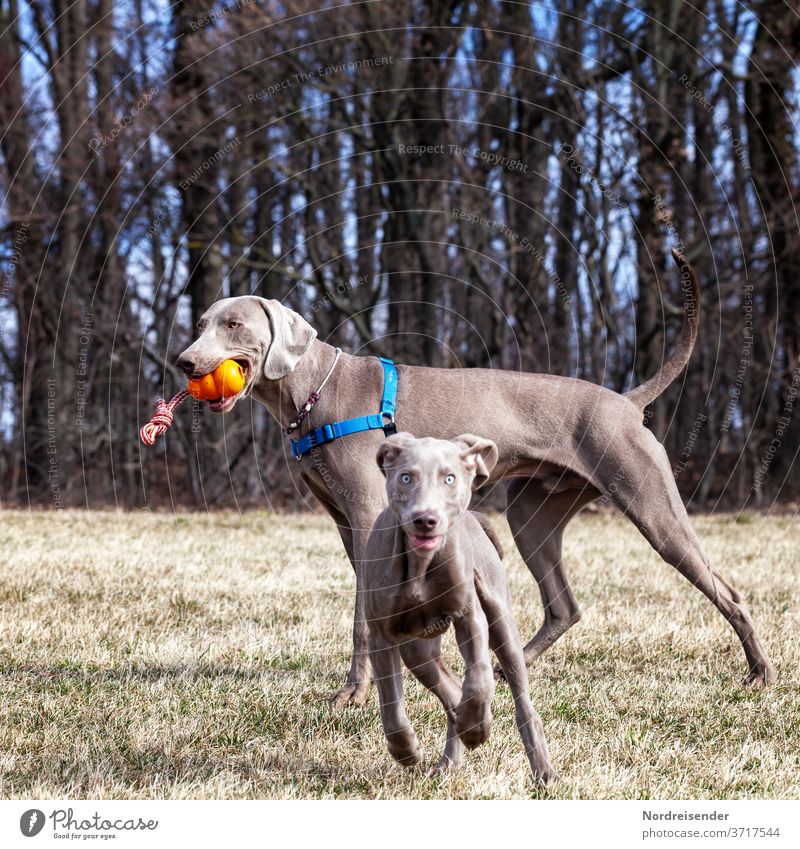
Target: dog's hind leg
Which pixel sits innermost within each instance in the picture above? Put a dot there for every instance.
(424, 659)
(537, 518)
(647, 494)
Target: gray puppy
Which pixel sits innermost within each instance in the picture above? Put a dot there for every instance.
(430, 562)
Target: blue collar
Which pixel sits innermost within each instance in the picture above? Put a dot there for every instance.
(384, 419)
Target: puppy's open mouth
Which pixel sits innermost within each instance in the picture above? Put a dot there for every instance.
(222, 405)
(424, 543)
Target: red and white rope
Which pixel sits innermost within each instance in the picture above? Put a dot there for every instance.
(162, 418)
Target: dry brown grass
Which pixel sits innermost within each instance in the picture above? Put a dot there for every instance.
(191, 656)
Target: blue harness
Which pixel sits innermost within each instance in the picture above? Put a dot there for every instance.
(384, 419)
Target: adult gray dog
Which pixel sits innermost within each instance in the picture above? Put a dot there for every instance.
(433, 563)
(563, 442)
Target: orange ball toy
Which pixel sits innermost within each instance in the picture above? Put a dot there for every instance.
(227, 379)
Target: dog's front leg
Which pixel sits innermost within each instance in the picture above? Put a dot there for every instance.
(356, 687)
(474, 713)
(400, 736)
(504, 639)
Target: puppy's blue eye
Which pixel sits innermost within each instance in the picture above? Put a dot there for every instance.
(405, 478)
(450, 479)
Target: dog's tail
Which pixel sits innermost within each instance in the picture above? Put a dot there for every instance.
(651, 389)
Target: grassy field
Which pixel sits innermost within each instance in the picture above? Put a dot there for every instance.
(192, 656)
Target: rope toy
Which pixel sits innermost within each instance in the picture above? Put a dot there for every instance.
(162, 418)
(227, 379)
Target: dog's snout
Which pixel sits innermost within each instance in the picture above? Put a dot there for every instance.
(425, 520)
(186, 364)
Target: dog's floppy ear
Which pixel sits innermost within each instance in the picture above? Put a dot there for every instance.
(292, 336)
(390, 448)
(479, 455)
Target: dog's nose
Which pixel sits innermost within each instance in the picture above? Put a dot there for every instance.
(425, 521)
(185, 364)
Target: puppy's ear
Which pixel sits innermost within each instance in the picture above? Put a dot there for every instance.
(390, 448)
(292, 336)
(479, 455)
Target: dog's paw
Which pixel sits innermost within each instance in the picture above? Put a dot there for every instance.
(761, 677)
(444, 766)
(353, 693)
(438, 770)
(405, 751)
(543, 777)
(472, 733)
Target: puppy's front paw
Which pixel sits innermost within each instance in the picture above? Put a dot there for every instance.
(545, 776)
(404, 748)
(471, 731)
(445, 765)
